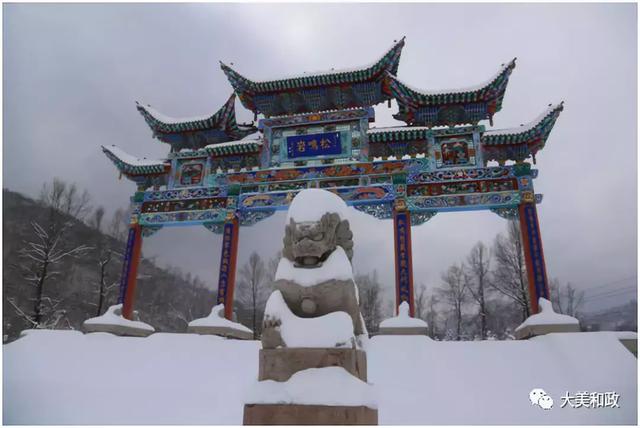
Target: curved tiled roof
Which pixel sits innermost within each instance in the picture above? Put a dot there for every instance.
(131, 165)
(158, 122)
(387, 63)
(519, 143)
(486, 91)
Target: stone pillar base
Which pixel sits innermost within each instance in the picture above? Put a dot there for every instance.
(280, 364)
(230, 332)
(631, 345)
(303, 414)
(539, 330)
(421, 331)
(119, 330)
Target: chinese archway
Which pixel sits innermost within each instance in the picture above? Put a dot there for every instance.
(315, 131)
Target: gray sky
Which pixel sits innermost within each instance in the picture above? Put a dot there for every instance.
(72, 73)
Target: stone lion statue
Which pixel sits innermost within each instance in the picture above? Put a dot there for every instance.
(308, 246)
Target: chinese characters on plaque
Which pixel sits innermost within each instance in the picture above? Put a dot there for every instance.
(314, 145)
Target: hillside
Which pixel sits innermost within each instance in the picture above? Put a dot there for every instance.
(165, 299)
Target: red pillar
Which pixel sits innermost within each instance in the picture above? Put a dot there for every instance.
(533, 254)
(129, 275)
(228, 258)
(403, 263)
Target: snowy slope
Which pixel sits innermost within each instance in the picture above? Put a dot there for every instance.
(65, 377)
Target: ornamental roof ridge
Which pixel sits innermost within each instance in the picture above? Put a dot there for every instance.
(551, 109)
(395, 48)
(156, 119)
(335, 110)
(118, 153)
(398, 128)
(258, 141)
(504, 68)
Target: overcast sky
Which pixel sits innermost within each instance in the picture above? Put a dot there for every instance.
(72, 73)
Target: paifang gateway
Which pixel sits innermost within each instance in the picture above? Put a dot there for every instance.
(315, 132)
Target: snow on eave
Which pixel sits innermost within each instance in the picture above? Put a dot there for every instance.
(280, 116)
(128, 159)
(504, 67)
(397, 128)
(234, 143)
(552, 108)
(395, 45)
(168, 120)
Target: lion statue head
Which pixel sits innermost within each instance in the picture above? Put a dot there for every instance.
(308, 244)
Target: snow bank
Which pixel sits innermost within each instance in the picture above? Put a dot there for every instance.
(337, 266)
(67, 378)
(113, 316)
(328, 386)
(216, 319)
(327, 331)
(547, 316)
(311, 204)
(403, 319)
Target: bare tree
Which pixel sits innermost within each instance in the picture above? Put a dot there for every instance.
(432, 316)
(43, 254)
(370, 300)
(478, 263)
(252, 293)
(105, 256)
(566, 299)
(509, 276)
(96, 219)
(421, 302)
(454, 292)
(118, 225)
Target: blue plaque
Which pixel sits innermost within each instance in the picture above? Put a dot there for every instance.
(327, 143)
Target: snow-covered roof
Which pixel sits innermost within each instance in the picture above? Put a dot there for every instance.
(343, 72)
(257, 141)
(552, 108)
(397, 129)
(160, 117)
(474, 88)
(130, 159)
(193, 132)
(132, 165)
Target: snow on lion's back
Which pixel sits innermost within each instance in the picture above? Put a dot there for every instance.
(312, 204)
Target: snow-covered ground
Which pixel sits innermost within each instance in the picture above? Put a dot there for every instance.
(65, 377)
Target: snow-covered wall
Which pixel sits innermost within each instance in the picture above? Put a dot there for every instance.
(65, 377)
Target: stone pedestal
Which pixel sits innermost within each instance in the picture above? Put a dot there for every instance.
(538, 330)
(403, 323)
(423, 331)
(546, 321)
(230, 332)
(113, 322)
(279, 364)
(119, 330)
(302, 414)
